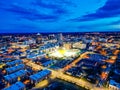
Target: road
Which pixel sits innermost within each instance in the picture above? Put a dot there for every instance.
(76, 60)
(59, 74)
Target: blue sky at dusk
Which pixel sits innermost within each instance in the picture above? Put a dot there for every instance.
(59, 15)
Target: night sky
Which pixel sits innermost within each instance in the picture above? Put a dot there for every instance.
(19, 16)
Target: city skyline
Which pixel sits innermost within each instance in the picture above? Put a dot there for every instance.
(81, 61)
(28, 16)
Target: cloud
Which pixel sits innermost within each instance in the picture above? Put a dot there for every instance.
(19, 10)
(41, 17)
(31, 14)
(53, 4)
(110, 9)
(58, 7)
(52, 10)
(114, 23)
(37, 14)
(105, 26)
(46, 4)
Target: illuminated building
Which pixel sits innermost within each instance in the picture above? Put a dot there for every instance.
(67, 45)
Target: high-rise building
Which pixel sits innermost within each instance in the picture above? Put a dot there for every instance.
(60, 39)
(39, 39)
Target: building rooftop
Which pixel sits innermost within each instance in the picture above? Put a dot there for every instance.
(112, 82)
(15, 75)
(14, 62)
(38, 76)
(15, 68)
(16, 86)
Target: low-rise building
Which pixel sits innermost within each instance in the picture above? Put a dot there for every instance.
(114, 85)
(16, 86)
